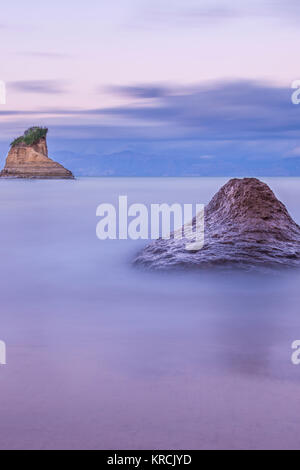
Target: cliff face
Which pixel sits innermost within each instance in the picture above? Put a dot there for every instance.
(245, 226)
(32, 161)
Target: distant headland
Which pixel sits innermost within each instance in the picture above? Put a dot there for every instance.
(28, 158)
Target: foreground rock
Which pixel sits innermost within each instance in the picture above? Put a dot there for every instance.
(245, 226)
(30, 160)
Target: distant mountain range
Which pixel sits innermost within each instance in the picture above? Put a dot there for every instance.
(129, 163)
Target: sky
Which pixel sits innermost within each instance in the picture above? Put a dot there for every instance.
(205, 82)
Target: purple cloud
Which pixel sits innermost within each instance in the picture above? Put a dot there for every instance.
(38, 86)
(232, 110)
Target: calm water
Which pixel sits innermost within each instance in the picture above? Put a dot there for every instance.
(102, 355)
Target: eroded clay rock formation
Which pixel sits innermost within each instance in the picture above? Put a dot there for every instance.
(245, 226)
(30, 160)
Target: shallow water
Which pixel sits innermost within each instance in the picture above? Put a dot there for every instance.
(103, 355)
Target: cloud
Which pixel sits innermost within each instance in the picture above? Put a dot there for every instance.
(190, 14)
(46, 55)
(38, 86)
(287, 9)
(193, 13)
(239, 110)
(139, 91)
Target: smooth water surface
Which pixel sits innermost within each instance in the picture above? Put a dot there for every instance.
(103, 355)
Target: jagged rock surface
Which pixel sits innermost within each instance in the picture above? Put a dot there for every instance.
(245, 226)
(32, 161)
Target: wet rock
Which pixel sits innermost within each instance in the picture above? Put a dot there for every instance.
(245, 226)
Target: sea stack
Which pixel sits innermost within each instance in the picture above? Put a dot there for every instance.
(246, 226)
(28, 158)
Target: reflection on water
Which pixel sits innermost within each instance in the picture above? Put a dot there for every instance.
(102, 355)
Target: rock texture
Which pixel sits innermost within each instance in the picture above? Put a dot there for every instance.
(245, 226)
(32, 161)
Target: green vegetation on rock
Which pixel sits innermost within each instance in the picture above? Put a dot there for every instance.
(31, 136)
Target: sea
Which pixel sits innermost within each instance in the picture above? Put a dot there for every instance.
(101, 354)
